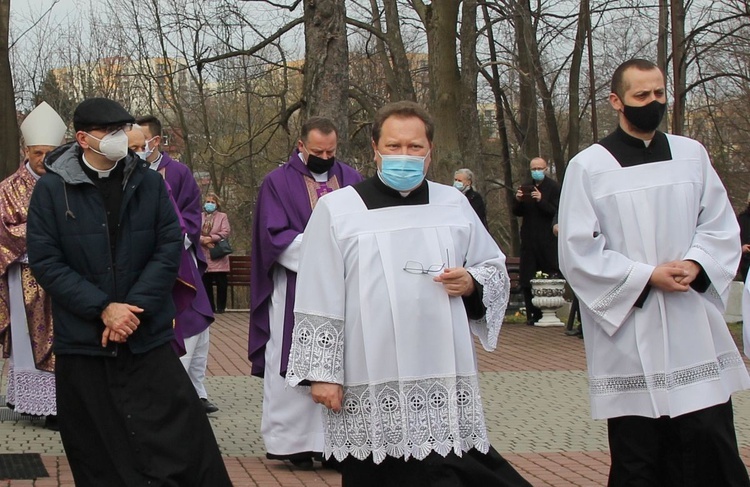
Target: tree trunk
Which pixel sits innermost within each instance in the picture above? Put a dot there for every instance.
(574, 83)
(679, 65)
(592, 83)
(470, 140)
(527, 104)
(400, 85)
(661, 46)
(9, 140)
(440, 20)
(502, 132)
(326, 73)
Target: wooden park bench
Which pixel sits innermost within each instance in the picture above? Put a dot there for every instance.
(239, 277)
(513, 265)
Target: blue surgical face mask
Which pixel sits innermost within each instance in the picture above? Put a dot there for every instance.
(458, 185)
(209, 207)
(537, 174)
(402, 172)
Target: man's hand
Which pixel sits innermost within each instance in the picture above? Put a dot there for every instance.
(746, 248)
(519, 194)
(456, 281)
(691, 267)
(327, 394)
(121, 319)
(109, 335)
(536, 195)
(674, 276)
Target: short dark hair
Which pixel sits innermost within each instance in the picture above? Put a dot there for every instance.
(402, 109)
(322, 124)
(150, 121)
(618, 84)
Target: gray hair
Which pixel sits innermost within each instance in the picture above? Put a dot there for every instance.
(466, 172)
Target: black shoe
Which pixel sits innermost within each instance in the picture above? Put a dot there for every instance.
(530, 323)
(219, 311)
(50, 422)
(302, 463)
(208, 406)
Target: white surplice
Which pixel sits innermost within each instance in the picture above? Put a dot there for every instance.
(401, 347)
(675, 355)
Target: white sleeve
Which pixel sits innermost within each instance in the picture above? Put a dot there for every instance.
(608, 283)
(716, 245)
(317, 352)
(486, 263)
(289, 258)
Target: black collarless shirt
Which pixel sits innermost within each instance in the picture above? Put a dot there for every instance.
(111, 189)
(376, 194)
(631, 151)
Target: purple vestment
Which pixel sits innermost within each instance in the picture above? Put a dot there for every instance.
(281, 213)
(193, 308)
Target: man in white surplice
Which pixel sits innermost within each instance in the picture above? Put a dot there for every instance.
(395, 275)
(649, 243)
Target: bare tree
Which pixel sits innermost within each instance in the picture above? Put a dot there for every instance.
(8, 121)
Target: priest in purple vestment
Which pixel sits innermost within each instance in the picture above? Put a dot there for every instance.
(25, 309)
(194, 313)
(292, 425)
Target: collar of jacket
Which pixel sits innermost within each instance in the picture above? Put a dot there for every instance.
(64, 161)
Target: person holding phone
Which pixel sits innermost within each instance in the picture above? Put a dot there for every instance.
(537, 203)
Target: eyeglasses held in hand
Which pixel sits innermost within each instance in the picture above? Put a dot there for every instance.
(414, 267)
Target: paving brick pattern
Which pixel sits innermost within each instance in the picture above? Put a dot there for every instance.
(535, 397)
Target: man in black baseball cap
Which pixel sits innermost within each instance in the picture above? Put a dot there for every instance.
(105, 243)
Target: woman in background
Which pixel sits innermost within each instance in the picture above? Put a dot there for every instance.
(215, 227)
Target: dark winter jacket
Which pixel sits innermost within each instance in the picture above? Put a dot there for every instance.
(71, 258)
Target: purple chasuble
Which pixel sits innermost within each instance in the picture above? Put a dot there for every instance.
(191, 300)
(285, 202)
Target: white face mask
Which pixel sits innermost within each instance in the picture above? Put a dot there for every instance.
(149, 150)
(113, 146)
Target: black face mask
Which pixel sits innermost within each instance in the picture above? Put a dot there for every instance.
(319, 165)
(646, 118)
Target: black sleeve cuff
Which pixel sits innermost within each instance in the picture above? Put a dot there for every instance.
(642, 298)
(475, 308)
(701, 282)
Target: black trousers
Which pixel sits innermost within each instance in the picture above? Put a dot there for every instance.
(473, 469)
(532, 312)
(696, 449)
(132, 419)
(220, 278)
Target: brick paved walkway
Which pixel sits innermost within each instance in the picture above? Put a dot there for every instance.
(535, 397)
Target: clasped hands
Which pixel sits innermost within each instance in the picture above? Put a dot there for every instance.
(120, 321)
(675, 276)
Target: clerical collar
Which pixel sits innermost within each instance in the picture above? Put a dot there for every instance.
(33, 174)
(376, 194)
(101, 173)
(632, 151)
(157, 161)
(318, 177)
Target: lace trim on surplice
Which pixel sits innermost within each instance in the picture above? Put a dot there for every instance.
(602, 305)
(602, 386)
(408, 418)
(317, 352)
(32, 392)
(496, 285)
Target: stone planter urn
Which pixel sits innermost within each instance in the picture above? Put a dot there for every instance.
(548, 296)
